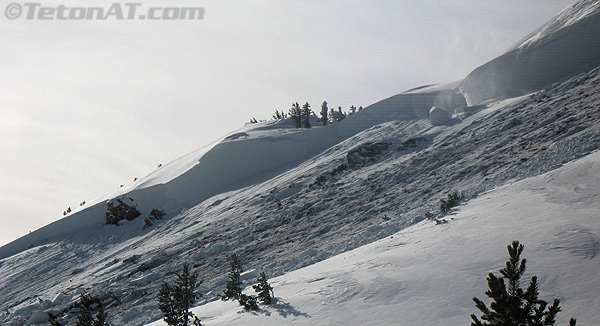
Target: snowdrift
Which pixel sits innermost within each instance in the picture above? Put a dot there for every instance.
(565, 46)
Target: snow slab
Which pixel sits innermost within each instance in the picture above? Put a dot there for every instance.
(427, 274)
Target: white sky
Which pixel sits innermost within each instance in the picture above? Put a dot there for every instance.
(88, 105)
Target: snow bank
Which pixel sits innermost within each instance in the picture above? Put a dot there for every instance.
(566, 45)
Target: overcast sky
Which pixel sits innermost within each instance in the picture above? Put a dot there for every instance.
(87, 105)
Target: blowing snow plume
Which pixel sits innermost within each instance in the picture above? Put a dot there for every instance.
(566, 45)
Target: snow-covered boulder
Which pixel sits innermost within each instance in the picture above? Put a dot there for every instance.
(438, 116)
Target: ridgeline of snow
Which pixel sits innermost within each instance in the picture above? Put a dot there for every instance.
(243, 158)
(427, 274)
(563, 47)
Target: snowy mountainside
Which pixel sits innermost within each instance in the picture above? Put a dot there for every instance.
(284, 198)
(427, 274)
(243, 158)
(367, 187)
(566, 45)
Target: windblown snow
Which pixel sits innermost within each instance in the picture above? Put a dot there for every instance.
(565, 46)
(336, 214)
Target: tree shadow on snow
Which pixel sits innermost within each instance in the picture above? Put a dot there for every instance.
(283, 308)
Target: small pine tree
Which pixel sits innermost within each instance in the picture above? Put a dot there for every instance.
(305, 113)
(323, 113)
(264, 289)
(279, 116)
(233, 289)
(338, 115)
(453, 200)
(352, 110)
(513, 306)
(86, 317)
(296, 115)
(248, 301)
(176, 300)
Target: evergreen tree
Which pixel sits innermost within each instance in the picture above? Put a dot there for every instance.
(305, 113)
(176, 300)
(323, 113)
(264, 289)
(513, 306)
(86, 317)
(248, 301)
(338, 115)
(352, 110)
(296, 115)
(279, 116)
(453, 200)
(233, 290)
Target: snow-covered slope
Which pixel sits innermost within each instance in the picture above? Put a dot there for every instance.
(428, 273)
(565, 46)
(243, 158)
(328, 204)
(285, 198)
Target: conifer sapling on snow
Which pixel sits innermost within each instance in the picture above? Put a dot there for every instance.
(296, 115)
(323, 113)
(233, 289)
(305, 113)
(352, 110)
(264, 289)
(86, 317)
(176, 300)
(513, 306)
